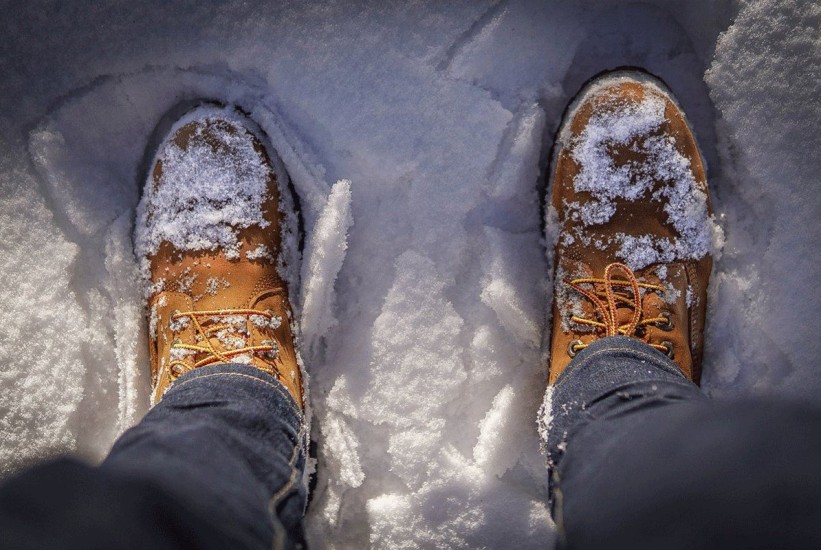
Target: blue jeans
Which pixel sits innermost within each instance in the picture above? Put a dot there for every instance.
(218, 463)
(640, 458)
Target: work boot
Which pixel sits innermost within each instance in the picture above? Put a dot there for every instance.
(216, 239)
(631, 221)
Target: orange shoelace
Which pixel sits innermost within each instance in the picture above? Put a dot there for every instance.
(606, 309)
(212, 354)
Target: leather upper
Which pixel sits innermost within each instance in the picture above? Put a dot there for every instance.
(208, 280)
(584, 250)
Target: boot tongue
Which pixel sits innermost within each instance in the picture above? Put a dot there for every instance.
(624, 315)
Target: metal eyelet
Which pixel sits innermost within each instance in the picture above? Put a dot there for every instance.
(668, 346)
(271, 354)
(571, 347)
(177, 370)
(171, 319)
(667, 326)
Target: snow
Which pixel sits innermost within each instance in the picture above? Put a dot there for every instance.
(634, 124)
(323, 259)
(205, 193)
(261, 252)
(424, 293)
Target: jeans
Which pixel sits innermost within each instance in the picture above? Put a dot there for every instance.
(640, 458)
(217, 463)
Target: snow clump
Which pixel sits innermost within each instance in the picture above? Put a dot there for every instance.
(685, 202)
(207, 192)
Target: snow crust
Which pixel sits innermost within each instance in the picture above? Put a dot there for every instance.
(424, 320)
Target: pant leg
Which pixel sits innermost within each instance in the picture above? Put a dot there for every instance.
(639, 458)
(216, 464)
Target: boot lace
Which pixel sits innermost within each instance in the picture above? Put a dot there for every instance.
(607, 294)
(205, 348)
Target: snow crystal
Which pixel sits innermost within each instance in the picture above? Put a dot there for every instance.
(261, 252)
(153, 316)
(186, 281)
(243, 358)
(544, 417)
(179, 354)
(152, 322)
(263, 321)
(230, 340)
(156, 287)
(573, 303)
(179, 323)
(598, 173)
(213, 285)
(661, 272)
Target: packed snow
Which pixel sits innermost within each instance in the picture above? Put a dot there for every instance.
(424, 274)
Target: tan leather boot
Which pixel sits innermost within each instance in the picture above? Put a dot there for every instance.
(630, 215)
(214, 233)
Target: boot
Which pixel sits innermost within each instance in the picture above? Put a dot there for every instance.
(216, 237)
(630, 216)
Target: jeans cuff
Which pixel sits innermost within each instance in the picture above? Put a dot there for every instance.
(616, 364)
(237, 375)
(601, 353)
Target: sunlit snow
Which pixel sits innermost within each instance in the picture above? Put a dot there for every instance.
(424, 277)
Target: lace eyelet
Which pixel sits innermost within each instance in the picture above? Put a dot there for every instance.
(171, 319)
(667, 326)
(668, 346)
(177, 370)
(571, 347)
(271, 354)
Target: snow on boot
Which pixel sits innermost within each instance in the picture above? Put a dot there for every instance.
(630, 216)
(216, 241)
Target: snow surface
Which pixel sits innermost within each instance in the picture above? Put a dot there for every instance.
(427, 319)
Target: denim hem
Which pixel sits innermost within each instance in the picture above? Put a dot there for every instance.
(623, 346)
(239, 373)
(612, 375)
